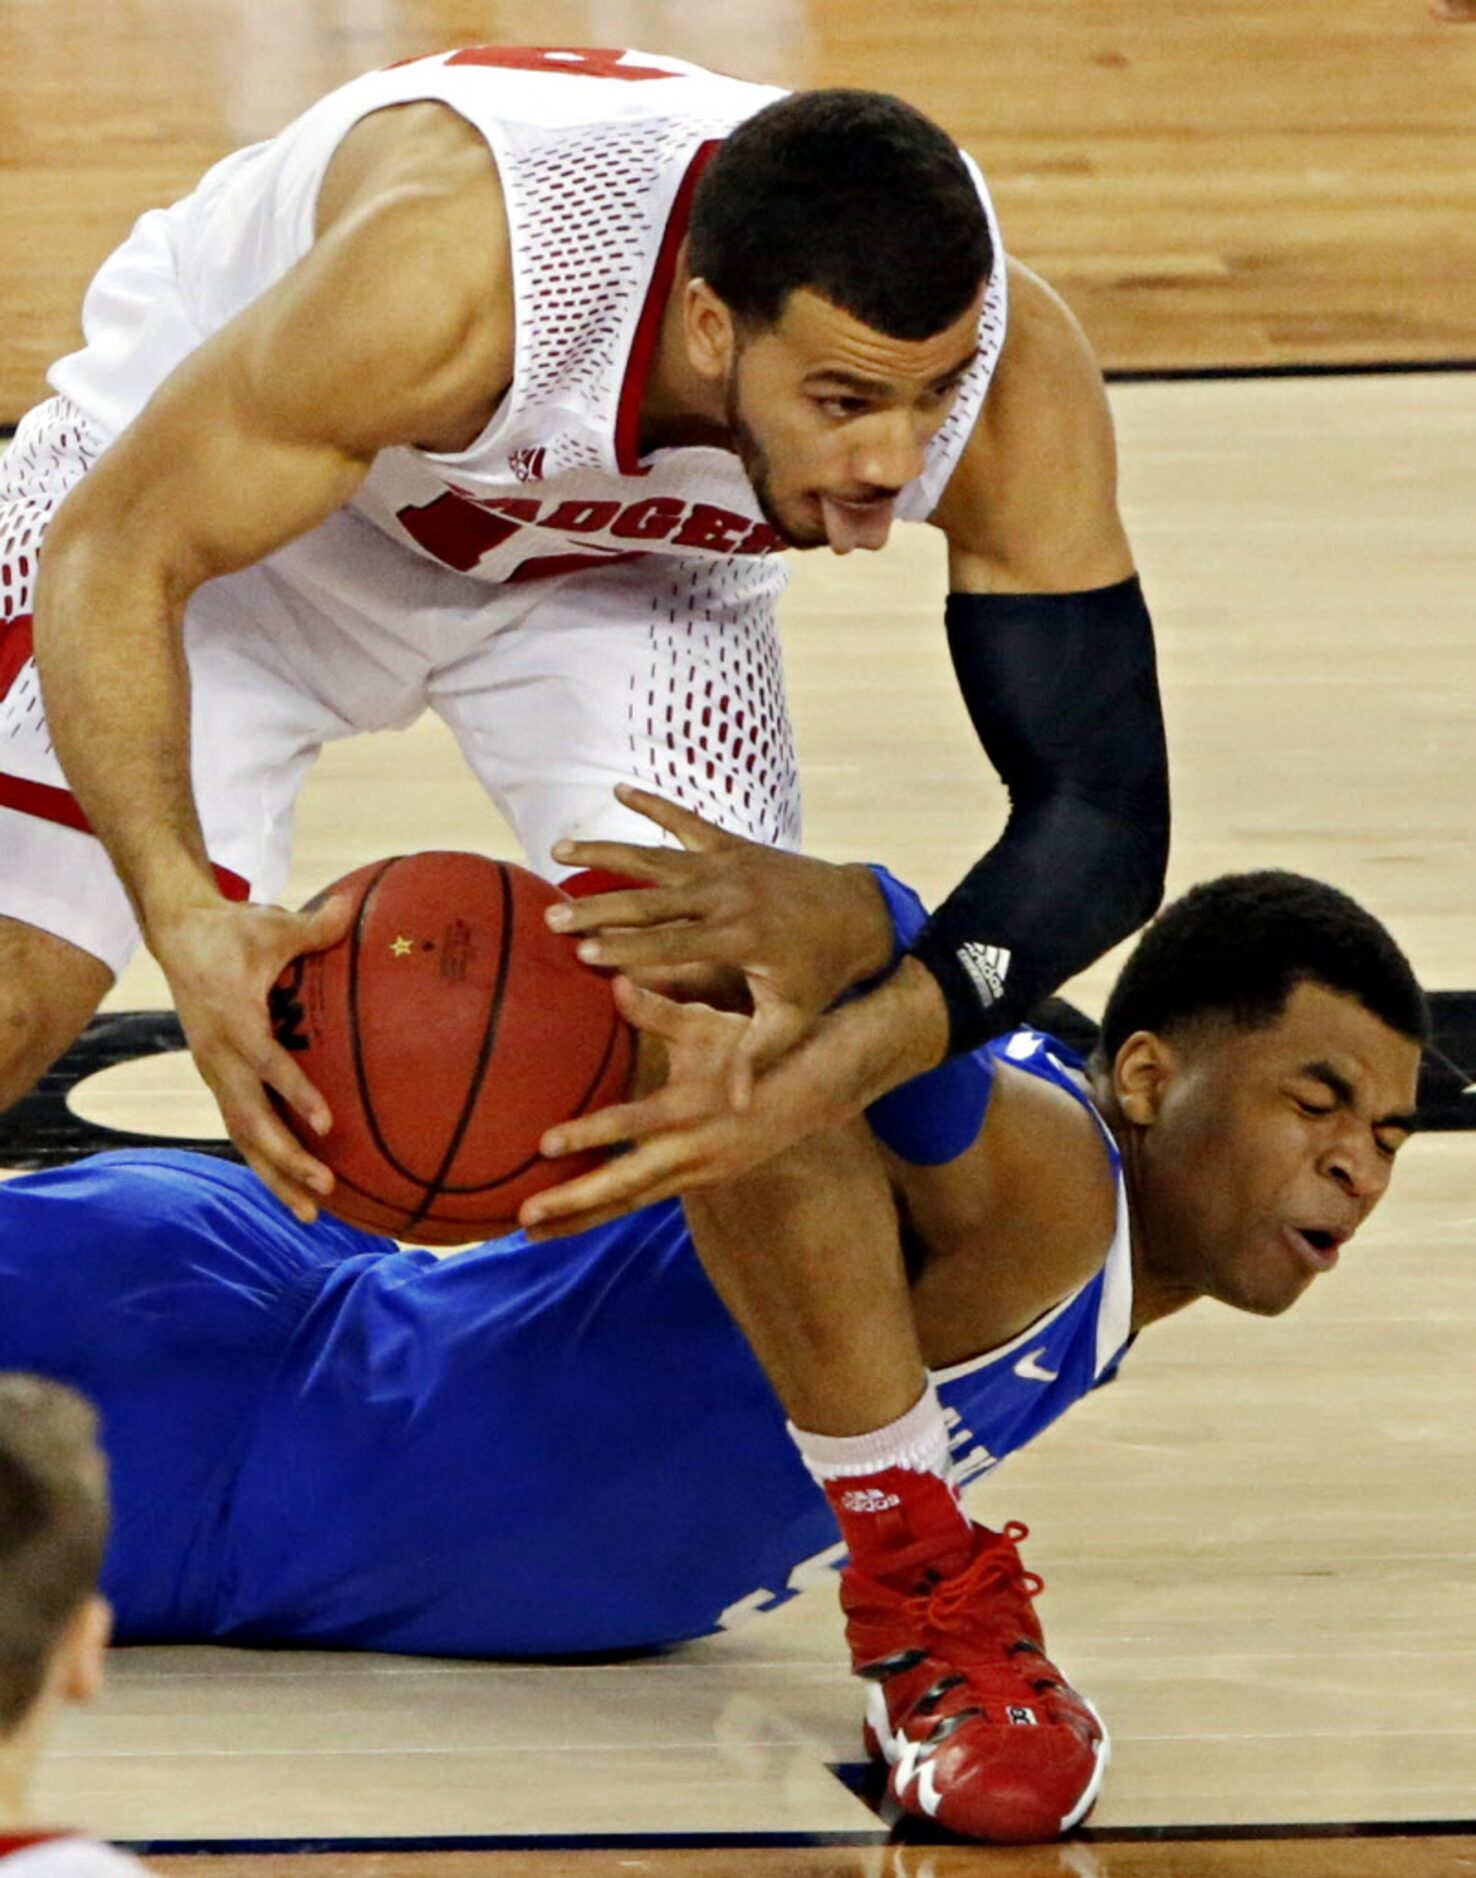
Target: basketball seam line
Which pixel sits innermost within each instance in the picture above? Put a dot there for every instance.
(484, 1056)
(366, 1099)
(490, 1186)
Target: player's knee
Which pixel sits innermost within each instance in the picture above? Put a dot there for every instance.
(48, 990)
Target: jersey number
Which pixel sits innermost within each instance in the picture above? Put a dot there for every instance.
(577, 62)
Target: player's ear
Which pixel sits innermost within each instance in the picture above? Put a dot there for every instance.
(711, 334)
(1141, 1075)
(83, 1650)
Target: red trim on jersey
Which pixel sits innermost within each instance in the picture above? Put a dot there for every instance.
(16, 647)
(648, 327)
(592, 880)
(18, 1842)
(57, 805)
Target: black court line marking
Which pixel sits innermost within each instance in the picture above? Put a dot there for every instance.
(705, 1841)
(1328, 1829)
(864, 1779)
(507, 1842)
(1330, 368)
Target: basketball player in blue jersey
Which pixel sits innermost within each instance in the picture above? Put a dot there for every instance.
(537, 1449)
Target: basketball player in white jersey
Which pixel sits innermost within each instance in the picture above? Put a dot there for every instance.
(492, 385)
(54, 1626)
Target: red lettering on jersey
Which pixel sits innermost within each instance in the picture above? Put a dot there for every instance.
(582, 518)
(574, 61)
(15, 649)
(459, 532)
(650, 520)
(718, 530)
(761, 539)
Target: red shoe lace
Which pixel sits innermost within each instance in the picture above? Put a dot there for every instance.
(995, 1567)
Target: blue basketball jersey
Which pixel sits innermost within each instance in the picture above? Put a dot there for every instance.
(319, 1439)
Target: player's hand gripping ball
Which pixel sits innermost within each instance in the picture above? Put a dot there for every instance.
(447, 1032)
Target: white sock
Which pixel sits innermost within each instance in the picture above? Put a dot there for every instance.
(918, 1439)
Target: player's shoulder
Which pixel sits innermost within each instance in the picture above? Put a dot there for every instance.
(518, 90)
(1032, 503)
(1054, 1152)
(1047, 386)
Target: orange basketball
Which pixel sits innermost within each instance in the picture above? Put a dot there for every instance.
(446, 1032)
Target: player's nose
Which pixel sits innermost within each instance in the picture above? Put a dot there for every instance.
(1357, 1167)
(892, 453)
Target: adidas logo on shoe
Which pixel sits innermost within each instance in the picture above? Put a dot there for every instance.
(869, 1500)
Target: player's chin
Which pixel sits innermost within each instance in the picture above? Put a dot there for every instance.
(798, 533)
(1262, 1289)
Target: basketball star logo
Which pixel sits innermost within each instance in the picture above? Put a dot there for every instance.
(402, 947)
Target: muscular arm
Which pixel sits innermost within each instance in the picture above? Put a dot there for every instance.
(395, 328)
(1054, 654)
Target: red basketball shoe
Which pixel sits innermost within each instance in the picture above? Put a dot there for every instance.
(980, 1729)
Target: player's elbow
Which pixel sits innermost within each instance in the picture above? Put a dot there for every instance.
(1139, 861)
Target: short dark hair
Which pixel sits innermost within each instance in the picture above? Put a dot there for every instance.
(853, 194)
(1238, 946)
(53, 1529)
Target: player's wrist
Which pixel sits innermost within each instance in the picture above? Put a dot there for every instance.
(893, 1033)
(867, 927)
(170, 901)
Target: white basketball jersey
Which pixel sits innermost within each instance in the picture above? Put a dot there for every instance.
(599, 154)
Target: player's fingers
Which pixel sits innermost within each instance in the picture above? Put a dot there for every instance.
(722, 987)
(599, 1215)
(773, 1031)
(295, 1197)
(691, 829)
(654, 1014)
(279, 1070)
(634, 906)
(270, 1148)
(617, 1187)
(674, 1107)
(691, 943)
(657, 865)
(325, 925)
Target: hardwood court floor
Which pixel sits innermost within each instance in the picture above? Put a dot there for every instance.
(1245, 181)
(1259, 1544)
(1252, 1858)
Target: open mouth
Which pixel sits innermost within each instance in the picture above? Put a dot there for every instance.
(1316, 1246)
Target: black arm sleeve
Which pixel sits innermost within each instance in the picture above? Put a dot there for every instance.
(1063, 692)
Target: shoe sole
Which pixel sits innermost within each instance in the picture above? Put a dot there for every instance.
(882, 1744)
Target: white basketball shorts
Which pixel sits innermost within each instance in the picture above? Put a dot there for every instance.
(660, 672)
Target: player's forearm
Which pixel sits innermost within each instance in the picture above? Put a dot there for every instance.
(862, 1049)
(110, 653)
(1063, 692)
